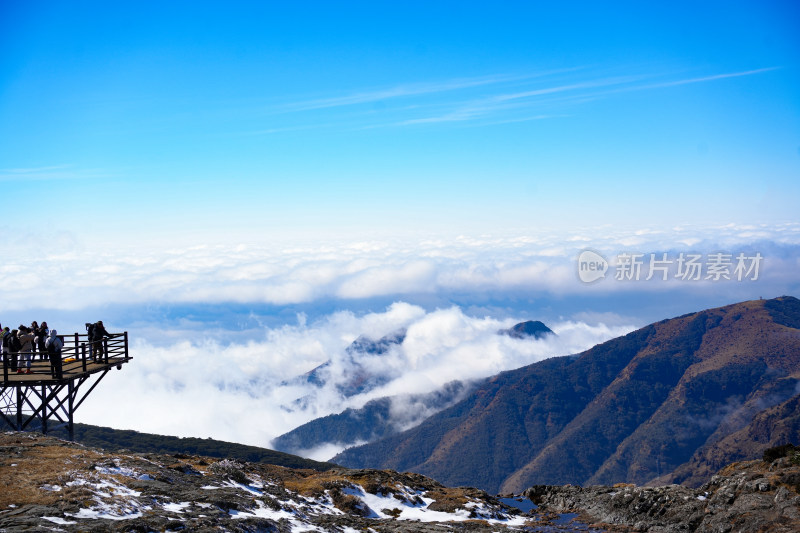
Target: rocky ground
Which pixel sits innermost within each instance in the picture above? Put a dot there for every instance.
(47, 484)
(747, 497)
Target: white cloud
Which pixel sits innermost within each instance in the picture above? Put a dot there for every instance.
(283, 274)
(412, 276)
(325, 451)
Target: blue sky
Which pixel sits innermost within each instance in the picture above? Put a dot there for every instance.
(247, 187)
(198, 120)
(258, 153)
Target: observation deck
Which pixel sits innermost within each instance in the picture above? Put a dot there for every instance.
(28, 398)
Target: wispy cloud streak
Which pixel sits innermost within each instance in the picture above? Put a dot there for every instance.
(707, 78)
(490, 99)
(413, 89)
(54, 172)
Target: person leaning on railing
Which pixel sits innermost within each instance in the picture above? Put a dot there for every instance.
(53, 346)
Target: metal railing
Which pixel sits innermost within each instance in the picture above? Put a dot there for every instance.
(77, 354)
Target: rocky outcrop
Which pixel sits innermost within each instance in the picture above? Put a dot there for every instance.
(749, 497)
(48, 484)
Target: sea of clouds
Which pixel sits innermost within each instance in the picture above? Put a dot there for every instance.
(71, 274)
(219, 332)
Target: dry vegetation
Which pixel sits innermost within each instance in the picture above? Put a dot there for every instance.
(44, 465)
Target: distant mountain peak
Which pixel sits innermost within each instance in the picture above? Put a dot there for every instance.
(367, 345)
(529, 328)
(360, 380)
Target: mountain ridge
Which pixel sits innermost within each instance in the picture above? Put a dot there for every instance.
(137, 441)
(368, 423)
(632, 409)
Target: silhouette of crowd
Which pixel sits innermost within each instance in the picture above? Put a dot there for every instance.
(23, 344)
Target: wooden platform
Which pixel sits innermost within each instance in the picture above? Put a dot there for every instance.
(41, 373)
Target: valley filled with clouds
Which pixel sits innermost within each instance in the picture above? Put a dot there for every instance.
(249, 392)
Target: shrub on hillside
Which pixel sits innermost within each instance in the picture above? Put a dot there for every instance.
(777, 452)
(231, 469)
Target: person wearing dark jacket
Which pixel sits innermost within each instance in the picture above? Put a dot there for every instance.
(14, 346)
(53, 346)
(6, 335)
(41, 339)
(98, 334)
(34, 330)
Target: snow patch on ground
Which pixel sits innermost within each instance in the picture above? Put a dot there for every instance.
(176, 507)
(381, 505)
(58, 520)
(104, 512)
(111, 499)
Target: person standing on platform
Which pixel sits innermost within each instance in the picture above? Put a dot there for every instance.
(41, 339)
(98, 334)
(26, 337)
(14, 346)
(34, 343)
(6, 336)
(53, 346)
